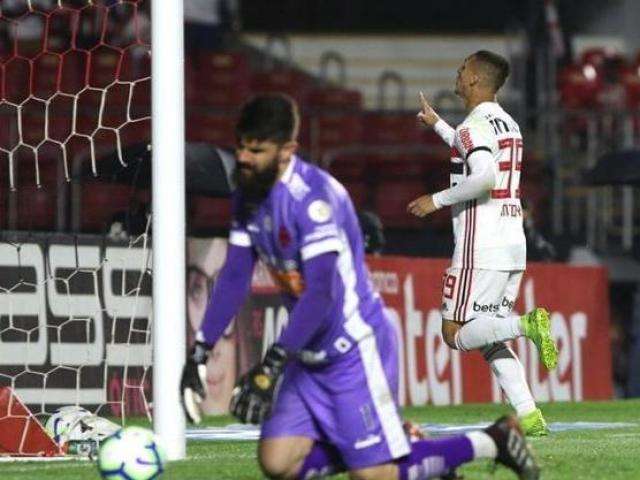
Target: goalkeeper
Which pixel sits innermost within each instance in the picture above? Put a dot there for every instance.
(325, 392)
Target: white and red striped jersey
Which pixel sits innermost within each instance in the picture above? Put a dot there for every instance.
(488, 230)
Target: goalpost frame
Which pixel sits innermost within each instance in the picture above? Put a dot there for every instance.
(168, 222)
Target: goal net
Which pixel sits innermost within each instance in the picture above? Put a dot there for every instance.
(75, 308)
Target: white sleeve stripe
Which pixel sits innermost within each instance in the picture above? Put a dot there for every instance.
(317, 248)
(239, 238)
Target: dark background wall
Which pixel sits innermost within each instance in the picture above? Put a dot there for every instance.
(411, 16)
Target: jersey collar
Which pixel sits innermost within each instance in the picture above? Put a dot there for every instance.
(484, 106)
(288, 173)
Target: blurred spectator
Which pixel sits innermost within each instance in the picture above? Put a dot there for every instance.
(539, 249)
(372, 232)
(208, 23)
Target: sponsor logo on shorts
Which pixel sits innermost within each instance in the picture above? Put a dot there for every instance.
(493, 307)
(507, 303)
(490, 308)
(370, 441)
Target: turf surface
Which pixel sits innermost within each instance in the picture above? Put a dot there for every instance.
(595, 454)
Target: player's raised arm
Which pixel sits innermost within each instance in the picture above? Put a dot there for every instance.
(478, 149)
(228, 295)
(428, 116)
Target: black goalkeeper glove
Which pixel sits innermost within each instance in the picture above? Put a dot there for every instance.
(253, 394)
(192, 385)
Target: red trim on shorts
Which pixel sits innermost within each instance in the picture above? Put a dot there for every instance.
(470, 259)
(467, 263)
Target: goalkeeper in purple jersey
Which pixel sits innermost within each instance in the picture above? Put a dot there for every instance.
(326, 391)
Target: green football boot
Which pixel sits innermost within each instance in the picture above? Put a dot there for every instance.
(537, 327)
(533, 424)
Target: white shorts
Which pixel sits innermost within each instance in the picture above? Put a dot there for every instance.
(468, 292)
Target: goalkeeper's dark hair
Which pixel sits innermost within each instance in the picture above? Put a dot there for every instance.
(272, 116)
(495, 66)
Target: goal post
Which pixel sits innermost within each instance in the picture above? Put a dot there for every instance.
(168, 210)
(80, 322)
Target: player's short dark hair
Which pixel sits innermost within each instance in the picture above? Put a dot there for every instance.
(495, 66)
(272, 116)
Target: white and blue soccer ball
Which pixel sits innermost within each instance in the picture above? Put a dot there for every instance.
(131, 454)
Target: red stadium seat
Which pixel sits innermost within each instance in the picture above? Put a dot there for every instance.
(100, 202)
(207, 213)
(37, 205)
(349, 167)
(389, 128)
(594, 56)
(216, 129)
(580, 86)
(359, 193)
(282, 80)
(103, 66)
(334, 98)
(335, 130)
(391, 201)
(631, 82)
(219, 79)
(46, 74)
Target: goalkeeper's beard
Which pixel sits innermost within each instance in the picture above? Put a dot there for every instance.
(255, 184)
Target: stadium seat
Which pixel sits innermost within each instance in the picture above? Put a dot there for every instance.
(595, 56)
(359, 191)
(100, 202)
(74, 71)
(46, 74)
(220, 79)
(335, 130)
(207, 214)
(348, 166)
(392, 128)
(580, 86)
(17, 79)
(136, 63)
(631, 81)
(334, 98)
(103, 66)
(216, 129)
(391, 199)
(283, 80)
(8, 126)
(36, 204)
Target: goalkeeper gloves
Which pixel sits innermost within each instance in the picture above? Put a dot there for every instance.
(192, 385)
(253, 394)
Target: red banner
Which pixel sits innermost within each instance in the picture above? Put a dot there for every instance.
(430, 371)
(576, 297)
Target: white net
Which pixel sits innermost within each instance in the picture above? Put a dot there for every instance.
(75, 310)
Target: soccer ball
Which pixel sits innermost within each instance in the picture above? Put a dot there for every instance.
(131, 454)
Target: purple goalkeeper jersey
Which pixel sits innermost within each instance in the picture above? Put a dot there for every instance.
(309, 213)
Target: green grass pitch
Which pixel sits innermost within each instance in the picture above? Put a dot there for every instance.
(585, 454)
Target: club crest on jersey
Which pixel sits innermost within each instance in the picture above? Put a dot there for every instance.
(284, 237)
(319, 211)
(465, 138)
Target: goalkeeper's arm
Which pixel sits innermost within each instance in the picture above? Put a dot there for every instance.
(230, 290)
(252, 397)
(309, 314)
(229, 293)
